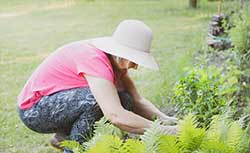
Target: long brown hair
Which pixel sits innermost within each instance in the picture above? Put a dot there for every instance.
(117, 72)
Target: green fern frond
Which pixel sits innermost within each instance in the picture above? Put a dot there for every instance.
(218, 129)
(102, 127)
(132, 146)
(106, 144)
(214, 146)
(216, 137)
(244, 145)
(190, 137)
(168, 144)
(234, 136)
(89, 144)
(151, 137)
(223, 136)
(75, 146)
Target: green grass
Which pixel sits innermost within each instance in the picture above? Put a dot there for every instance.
(31, 29)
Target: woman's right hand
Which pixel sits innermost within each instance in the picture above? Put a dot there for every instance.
(169, 130)
(169, 120)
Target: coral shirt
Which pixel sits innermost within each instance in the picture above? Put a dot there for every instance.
(65, 69)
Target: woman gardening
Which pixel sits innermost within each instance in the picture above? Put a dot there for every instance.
(84, 80)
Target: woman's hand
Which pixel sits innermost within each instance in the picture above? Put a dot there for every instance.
(107, 98)
(169, 130)
(167, 120)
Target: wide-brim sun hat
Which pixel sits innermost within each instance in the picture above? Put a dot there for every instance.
(131, 40)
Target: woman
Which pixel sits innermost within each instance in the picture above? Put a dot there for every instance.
(82, 81)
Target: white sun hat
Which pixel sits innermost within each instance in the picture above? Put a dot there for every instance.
(131, 40)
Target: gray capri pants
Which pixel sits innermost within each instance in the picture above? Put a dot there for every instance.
(72, 112)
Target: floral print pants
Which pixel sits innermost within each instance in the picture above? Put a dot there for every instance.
(72, 112)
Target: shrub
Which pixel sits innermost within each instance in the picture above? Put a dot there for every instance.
(205, 92)
(240, 34)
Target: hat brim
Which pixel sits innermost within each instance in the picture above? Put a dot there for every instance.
(109, 45)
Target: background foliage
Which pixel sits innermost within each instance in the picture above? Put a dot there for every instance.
(205, 92)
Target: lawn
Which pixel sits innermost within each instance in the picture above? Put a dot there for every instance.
(30, 30)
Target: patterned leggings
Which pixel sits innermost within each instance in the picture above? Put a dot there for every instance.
(72, 112)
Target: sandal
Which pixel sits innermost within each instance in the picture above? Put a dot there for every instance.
(57, 139)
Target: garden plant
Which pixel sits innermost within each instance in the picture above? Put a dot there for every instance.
(223, 136)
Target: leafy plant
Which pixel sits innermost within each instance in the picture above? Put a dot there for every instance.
(240, 34)
(204, 92)
(151, 137)
(244, 145)
(113, 144)
(76, 147)
(106, 144)
(223, 136)
(168, 144)
(102, 127)
(132, 146)
(190, 137)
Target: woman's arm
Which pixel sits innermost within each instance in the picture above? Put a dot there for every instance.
(106, 96)
(142, 106)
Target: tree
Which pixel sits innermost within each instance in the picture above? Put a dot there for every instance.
(193, 3)
(241, 4)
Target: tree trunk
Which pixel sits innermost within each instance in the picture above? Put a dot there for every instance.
(241, 4)
(193, 3)
(219, 7)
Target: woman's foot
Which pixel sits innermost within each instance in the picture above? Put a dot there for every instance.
(57, 139)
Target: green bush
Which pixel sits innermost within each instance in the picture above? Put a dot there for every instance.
(240, 34)
(205, 92)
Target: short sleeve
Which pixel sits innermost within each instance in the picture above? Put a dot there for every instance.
(94, 63)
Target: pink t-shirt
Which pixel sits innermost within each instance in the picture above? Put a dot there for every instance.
(65, 69)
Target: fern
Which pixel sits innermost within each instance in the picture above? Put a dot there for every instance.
(217, 130)
(234, 136)
(102, 127)
(151, 137)
(168, 144)
(113, 144)
(132, 146)
(76, 147)
(222, 137)
(215, 137)
(190, 137)
(106, 144)
(244, 146)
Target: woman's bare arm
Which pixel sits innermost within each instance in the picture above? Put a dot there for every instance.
(107, 97)
(142, 106)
